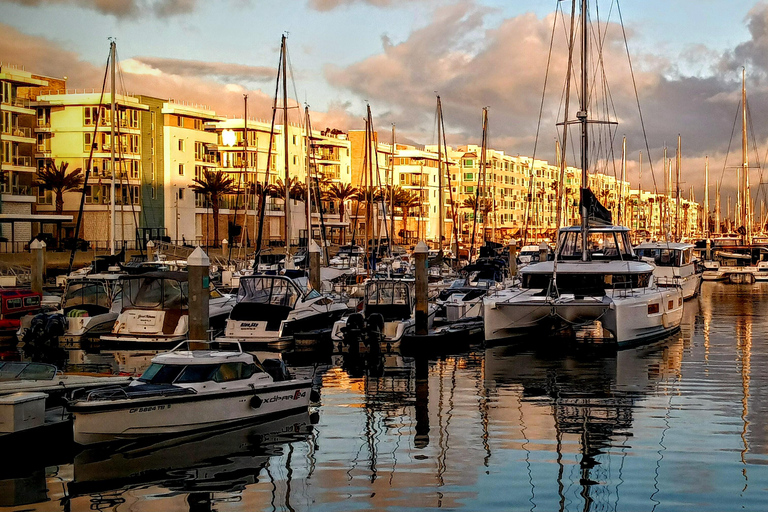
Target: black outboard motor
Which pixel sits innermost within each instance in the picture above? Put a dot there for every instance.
(374, 330)
(41, 340)
(353, 332)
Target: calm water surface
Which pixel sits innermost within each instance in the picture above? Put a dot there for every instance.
(677, 425)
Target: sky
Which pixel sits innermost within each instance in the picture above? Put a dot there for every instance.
(396, 55)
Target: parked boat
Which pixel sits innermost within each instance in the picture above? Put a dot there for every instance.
(184, 390)
(612, 295)
(387, 316)
(155, 308)
(14, 304)
(275, 308)
(675, 265)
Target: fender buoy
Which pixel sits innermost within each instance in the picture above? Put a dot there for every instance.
(665, 320)
(255, 401)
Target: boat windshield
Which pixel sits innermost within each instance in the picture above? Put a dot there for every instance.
(86, 292)
(155, 292)
(386, 293)
(663, 257)
(306, 288)
(601, 244)
(267, 290)
(158, 373)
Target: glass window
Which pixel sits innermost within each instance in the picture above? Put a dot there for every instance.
(161, 373)
(229, 371)
(197, 373)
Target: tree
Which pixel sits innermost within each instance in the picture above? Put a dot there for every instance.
(214, 184)
(341, 193)
(407, 201)
(297, 188)
(58, 180)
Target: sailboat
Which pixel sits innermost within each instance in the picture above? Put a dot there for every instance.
(596, 286)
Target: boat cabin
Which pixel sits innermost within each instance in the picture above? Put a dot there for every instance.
(89, 296)
(666, 254)
(391, 298)
(16, 303)
(270, 298)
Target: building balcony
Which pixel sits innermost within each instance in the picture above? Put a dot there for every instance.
(19, 164)
(19, 134)
(17, 193)
(18, 105)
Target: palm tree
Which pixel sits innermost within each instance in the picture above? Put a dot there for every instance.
(407, 201)
(59, 181)
(297, 188)
(214, 184)
(393, 195)
(341, 192)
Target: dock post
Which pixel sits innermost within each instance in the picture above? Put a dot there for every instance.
(314, 265)
(199, 294)
(709, 250)
(38, 265)
(513, 258)
(422, 312)
(543, 251)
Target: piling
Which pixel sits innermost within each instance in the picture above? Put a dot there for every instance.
(543, 251)
(314, 265)
(709, 250)
(513, 258)
(38, 265)
(198, 265)
(422, 313)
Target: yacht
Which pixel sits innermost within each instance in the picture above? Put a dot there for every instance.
(675, 265)
(386, 317)
(463, 299)
(155, 309)
(610, 295)
(189, 389)
(272, 309)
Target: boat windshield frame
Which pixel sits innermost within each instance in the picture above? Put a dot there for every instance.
(252, 291)
(606, 244)
(103, 295)
(666, 257)
(396, 292)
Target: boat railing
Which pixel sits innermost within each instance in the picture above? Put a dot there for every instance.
(193, 345)
(110, 393)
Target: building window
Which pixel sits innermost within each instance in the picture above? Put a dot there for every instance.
(181, 194)
(181, 169)
(90, 115)
(198, 124)
(45, 196)
(87, 141)
(181, 144)
(294, 141)
(179, 121)
(198, 172)
(152, 192)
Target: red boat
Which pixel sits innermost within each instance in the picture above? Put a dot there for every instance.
(14, 304)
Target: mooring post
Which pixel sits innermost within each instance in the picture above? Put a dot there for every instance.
(513, 258)
(543, 251)
(38, 265)
(422, 314)
(709, 250)
(198, 265)
(314, 265)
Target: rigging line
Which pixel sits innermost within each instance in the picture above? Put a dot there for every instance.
(637, 97)
(88, 166)
(730, 141)
(244, 170)
(538, 129)
(266, 187)
(318, 197)
(760, 188)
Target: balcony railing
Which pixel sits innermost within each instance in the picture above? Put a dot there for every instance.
(17, 102)
(43, 123)
(18, 131)
(20, 161)
(16, 190)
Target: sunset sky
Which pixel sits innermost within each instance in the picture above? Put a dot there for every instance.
(395, 54)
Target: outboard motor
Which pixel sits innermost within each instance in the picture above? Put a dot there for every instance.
(374, 330)
(354, 331)
(41, 340)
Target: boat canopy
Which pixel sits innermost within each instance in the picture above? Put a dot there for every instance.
(275, 290)
(156, 290)
(91, 295)
(392, 298)
(603, 243)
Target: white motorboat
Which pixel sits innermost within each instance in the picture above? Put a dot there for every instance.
(675, 265)
(387, 314)
(612, 295)
(184, 390)
(155, 308)
(271, 308)
(463, 299)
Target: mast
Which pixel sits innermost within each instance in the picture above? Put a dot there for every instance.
(677, 189)
(581, 115)
(287, 181)
(308, 180)
(112, 148)
(639, 194)
(483, 147)
(746, 207)
(243, 234)
(717, 208)
(623, 178)
(706, 197)
(392, 195)
(440, 221)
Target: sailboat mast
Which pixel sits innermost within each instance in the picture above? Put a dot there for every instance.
(308, 180)
(623, 179)
(717, 208)
(483, 146)
(287, 180)
(112, 148)
(440, 221)
(677, 189)
(706, 197)
(392, 194)
(243, 234)
(746, 207)
(581, 115)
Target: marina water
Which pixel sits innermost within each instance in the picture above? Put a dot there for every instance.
(675, 425)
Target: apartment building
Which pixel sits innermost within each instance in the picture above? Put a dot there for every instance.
(73, 125)
(17, 149)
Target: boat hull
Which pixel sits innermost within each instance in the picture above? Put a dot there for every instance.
(103, 421)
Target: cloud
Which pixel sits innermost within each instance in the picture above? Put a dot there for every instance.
(328, 5)
(221, 71)
(122, 8)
